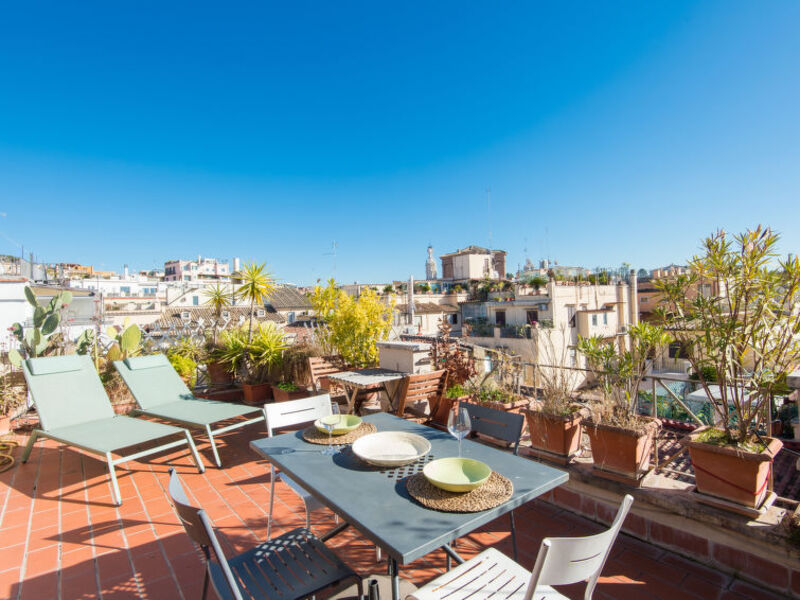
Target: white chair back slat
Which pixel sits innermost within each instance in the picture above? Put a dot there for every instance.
(294, 412)
(563, 561)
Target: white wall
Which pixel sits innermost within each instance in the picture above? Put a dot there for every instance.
(14, 308)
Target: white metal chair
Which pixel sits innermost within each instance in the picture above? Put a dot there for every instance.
(286, 414)
(294, 565)
(561, 561)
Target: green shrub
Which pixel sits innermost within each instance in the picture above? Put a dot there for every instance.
(186, 368)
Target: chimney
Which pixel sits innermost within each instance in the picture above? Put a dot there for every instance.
(125, 271)
(633, 299)
(236, 264)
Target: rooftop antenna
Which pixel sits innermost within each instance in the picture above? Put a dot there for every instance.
(333, 253)
(489, 211)
(546, 245)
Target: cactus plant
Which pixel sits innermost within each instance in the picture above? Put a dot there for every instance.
(127, 341)
(35, 341)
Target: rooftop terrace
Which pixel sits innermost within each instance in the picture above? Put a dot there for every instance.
(62, 537)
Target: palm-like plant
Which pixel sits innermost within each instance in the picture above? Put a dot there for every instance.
(217, 298)
(258, 285)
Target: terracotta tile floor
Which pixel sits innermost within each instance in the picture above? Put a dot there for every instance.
(62, 538)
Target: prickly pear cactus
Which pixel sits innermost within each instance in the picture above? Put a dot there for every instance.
(46, 319)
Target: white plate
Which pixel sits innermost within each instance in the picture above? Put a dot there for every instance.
(391, 448)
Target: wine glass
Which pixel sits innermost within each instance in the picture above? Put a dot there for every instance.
(329, 423)
(459, 425)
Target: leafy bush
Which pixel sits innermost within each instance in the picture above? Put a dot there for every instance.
(352, 326)
(457, 391)
(288, 386)
(185, 367)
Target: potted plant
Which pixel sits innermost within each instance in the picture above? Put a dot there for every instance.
(257, 286)
(185, 366)
(554, 420)
(621, 440)
(263, 359)
(218, 298)
(446, 353)
(736, 314)
(286, 390)
(12, 401)
(500, 387)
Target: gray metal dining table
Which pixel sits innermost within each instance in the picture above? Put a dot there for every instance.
(375, 501)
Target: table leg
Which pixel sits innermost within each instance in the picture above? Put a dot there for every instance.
(351, 400)
(334, 532)
(395, 577)
(452, 554)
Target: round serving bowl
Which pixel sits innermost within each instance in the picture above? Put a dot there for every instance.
(457, 474)
(344, 423)
(391, 448)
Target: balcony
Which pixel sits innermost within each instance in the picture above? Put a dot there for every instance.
(64, 539)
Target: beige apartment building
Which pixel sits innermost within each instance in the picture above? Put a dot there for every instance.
(474, 262)
(544, 327)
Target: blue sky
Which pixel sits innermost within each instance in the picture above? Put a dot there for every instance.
(607, 131)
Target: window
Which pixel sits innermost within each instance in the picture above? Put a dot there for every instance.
(645, 300)
(290, 317)
(500, 317)
(532, 316)
(677, 350)
(454, 319)
(195, 301)
(605, 318)
(594, 320)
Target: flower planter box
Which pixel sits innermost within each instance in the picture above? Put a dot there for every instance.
(281, 395)
(257, 393)
(218, 374)
(554, 437)
(507, 406)
(733, 475)
(621, 454)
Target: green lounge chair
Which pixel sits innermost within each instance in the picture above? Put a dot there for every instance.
(74, 409)
(160, 392)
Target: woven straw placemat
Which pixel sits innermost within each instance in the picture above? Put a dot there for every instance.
(315, 436)
(493, 493)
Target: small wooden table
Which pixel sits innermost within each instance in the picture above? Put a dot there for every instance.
(372, 379)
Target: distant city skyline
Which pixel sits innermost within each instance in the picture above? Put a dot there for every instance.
(607, 132)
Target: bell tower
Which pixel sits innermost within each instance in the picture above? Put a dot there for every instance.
(430, 265)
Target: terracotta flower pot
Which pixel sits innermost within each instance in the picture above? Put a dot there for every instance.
(732, 474)
(281, 395)
(5, 424)
(556, 435)
(621, 452)
(218, 374)
(507, 406)
(257, 393)
(439, 416)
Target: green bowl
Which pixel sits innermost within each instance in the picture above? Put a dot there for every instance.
(457, 474)
(344, 423)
